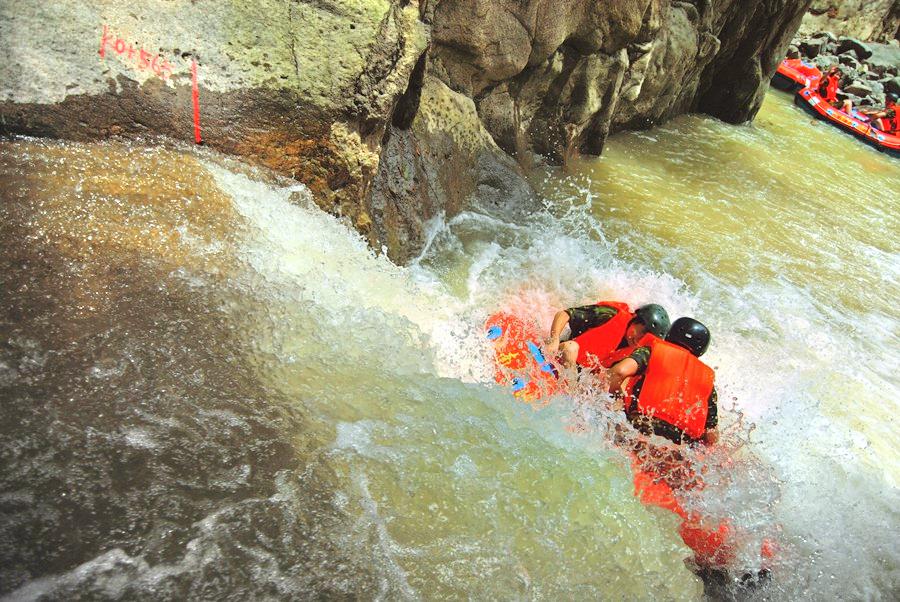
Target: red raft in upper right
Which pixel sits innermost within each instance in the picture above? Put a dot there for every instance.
(806, 79)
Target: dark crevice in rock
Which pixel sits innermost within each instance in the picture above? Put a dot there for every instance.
(372, 116)
(408, 104)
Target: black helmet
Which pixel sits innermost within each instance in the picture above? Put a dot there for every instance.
(690, 334)
(654, 317)
(891, 97)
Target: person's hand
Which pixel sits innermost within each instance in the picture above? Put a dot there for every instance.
(551, 348)
(711, 437)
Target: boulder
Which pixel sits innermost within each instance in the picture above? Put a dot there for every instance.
(892, 85)
(825, 62)
(575, 70)
(858, 88)
(848, 74)
(876, 87)
(885, 59)
(329, 92)
(848, 59)
(870, 20)
(813, 47)
(861, 50)
(443, 163)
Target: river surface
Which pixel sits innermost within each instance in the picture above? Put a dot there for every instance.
(210, 389)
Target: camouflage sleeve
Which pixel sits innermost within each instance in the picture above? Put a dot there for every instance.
(712, 414)
(642, 356)
(586, 317)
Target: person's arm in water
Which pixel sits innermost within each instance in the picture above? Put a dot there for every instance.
(560, 320)
(635, 363)
(619, 372)
(711, 436)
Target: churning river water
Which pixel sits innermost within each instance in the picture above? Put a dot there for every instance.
(211, 389)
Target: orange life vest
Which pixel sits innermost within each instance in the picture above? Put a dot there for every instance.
(674, 390)
(886, 124)
(828, 87)
(597, 343)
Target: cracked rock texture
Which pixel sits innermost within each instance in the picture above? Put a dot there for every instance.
(870, 20)
(393, 112)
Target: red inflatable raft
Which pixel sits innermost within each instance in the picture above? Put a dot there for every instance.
(518, 360)
(802, 77)
(794, 74)
(520, 365)
(810, 101)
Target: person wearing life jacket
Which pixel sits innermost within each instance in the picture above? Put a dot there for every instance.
(888, 119)
(595, 331)
(667, 390)
(828, 89)
(828, 85)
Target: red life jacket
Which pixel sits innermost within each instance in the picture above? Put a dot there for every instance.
(597, 343)
(675, 389)
(891, 126)
(828, 87)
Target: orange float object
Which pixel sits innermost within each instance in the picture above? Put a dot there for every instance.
(802, 77)
(519, 362)
(811, 102)
(794, 74)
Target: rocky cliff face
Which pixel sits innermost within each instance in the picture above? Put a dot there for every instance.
(569, 72)
(305, 87)
(868, 20)
(391, 111)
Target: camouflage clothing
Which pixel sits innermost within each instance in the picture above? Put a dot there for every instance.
(582, 319)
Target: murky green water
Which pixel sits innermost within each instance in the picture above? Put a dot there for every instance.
(211, 389)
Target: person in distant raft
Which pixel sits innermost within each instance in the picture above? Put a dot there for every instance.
(828, 89)
(888, 119)
(598, 330)
(667, 390)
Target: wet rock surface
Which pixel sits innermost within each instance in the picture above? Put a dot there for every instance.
(302, 87)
